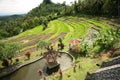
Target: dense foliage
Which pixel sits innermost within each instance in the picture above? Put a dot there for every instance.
(8, 51)
(40, 15)
(48, 11)
(106, 40)
(42, 44)
(98, 7)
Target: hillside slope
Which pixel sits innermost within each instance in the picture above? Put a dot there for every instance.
(66, 28)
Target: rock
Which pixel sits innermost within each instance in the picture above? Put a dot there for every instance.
(109, 71)
(112, 62)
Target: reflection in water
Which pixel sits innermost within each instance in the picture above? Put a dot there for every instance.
(30, 72)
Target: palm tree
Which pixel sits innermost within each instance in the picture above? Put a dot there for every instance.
(75, 7)
(111, 7)
(97, 7)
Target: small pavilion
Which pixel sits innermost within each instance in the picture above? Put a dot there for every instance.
(51, 61)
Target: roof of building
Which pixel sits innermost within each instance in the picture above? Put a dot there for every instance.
(74, 41)
(51, 56)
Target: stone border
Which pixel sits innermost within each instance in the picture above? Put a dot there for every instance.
(12, 69)
(107, 73)
(73, 60)
(108, 68)
(111, 62)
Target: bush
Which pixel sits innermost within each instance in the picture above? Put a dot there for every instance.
(106, 40)
(43, 44)
(84, 48)
(8, 51)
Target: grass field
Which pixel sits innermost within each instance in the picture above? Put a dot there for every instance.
(36, 30)
(66, 28)
(86, 64)
(55, 28)
(74, 27)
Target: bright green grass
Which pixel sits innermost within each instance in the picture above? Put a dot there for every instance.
(97, 23)
(73, 29)
(87, 64)
(57, 27)
(100, 24)
(94, 21)
(36, 30)
(80, 30)
(110, 23)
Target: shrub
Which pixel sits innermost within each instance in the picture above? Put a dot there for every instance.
(60, 44)
(8, 51)
(84, 48)
(42, 44)
(106, 40)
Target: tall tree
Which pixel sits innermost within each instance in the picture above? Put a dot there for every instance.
(75, 7)
(111, 7)
(97, 7)
(47, 1)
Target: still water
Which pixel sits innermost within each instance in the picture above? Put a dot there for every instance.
(30, 72)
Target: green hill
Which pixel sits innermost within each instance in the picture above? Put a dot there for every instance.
(61, 26)
(14, 25)
(45, 9)
(66, 28)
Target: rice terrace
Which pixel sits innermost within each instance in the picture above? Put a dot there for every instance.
(74, 40)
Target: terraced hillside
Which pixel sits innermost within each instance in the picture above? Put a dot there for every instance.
(65, 27)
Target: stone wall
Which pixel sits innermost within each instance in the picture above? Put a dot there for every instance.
(109, 71)
(112, 62)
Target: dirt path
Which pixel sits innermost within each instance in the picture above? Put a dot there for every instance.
(90, 37)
